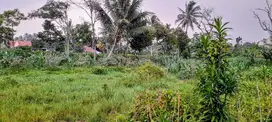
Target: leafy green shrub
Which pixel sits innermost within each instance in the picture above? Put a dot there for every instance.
(99, 71)
(148, 71)
(217, 81)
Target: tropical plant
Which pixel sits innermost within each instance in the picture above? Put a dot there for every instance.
(217, 80)
(121, 17)
(188, 17)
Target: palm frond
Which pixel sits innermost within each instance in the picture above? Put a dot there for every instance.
(135, 5)
(195, 9)
(113, 7)
(141, 16)
(104, 18)
(188, 18)
(181, 10)
(155, 20)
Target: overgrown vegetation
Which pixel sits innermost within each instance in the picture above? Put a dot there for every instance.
(137, 69)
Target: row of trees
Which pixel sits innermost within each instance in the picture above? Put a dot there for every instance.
(123, 24)
(121, 21)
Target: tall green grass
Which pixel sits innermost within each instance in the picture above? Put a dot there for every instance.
(75, 94)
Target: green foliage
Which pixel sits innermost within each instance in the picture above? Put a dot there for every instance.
(267, 53)
(51, 10)
(8, 20)
(148, 72)
(141, 41)
(50, 39)
(182, 42)
(82, 34)
(217, 80)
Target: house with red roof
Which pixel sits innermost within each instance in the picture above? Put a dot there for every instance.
(87, 49)
(13, 44)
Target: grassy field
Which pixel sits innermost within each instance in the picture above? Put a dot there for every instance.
(72, 94)
(100, 94)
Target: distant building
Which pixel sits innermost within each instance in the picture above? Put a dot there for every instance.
(13, 44)
(87, 49)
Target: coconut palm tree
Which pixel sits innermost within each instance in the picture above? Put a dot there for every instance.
(188, 17)
(120, 17)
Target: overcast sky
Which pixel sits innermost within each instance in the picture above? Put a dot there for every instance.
(237, 12)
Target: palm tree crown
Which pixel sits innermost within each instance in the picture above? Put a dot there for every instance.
(189, 17)
(118, 17)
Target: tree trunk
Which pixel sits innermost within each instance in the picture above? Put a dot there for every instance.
(67, 42)
(67, 49)
(93, 33)
(93, 43)
(112, 48)
(117, 38)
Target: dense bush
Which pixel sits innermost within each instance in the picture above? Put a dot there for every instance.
(149, 71)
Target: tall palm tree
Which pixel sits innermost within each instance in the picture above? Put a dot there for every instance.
(120, 17)
(188, 17)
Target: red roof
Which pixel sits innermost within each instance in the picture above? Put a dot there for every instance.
(20, 43)
(89, 50)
